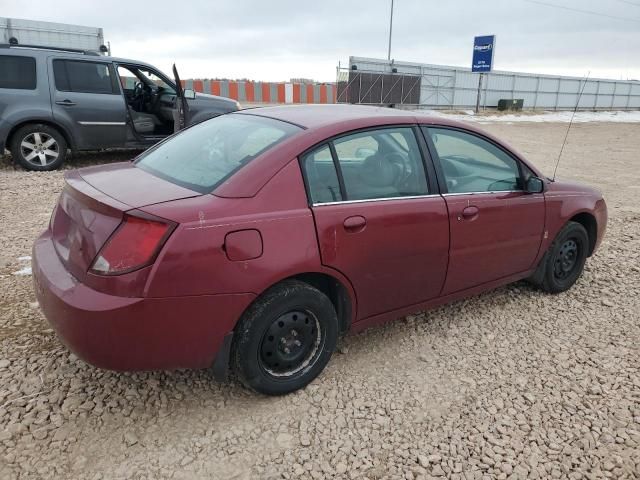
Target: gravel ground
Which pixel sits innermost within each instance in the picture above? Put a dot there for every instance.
(509, 384)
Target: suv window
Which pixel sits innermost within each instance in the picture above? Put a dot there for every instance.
(17, 72)
(472, 164)
(83, 77)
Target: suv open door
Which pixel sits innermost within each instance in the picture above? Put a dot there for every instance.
(181, 112)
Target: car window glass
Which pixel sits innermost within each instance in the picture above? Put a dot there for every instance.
(384, 163)
(152, 78)
(322, 179)
(472, 164)
(17, 72)
(127, 78)
(83, 77)
(204, 155)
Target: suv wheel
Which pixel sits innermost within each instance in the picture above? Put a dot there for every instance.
(38, 147)
(285, 339)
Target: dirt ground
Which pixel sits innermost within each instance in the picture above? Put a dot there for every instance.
(510, 384)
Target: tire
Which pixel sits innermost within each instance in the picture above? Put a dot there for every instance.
(285, 339)
(38, 147)
(564, 262)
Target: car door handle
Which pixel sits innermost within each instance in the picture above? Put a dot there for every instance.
(355, 223)
(470, 212)
(66, 102)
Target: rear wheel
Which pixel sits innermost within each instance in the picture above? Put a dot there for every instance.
(285, 339)
(38, 147)
(564, 262)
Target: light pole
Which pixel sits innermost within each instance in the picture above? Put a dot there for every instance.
(390, 31)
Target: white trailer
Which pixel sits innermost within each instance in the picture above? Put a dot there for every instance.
(49, 34)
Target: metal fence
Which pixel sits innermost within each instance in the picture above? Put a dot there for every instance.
(266, 92)
(445, 87)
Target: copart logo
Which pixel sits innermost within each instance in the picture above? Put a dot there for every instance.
(482, 48)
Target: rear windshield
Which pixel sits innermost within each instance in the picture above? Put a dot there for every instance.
(205, 155)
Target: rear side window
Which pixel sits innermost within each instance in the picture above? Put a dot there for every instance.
(17, 72)
(205, 155)
(322, 178)
(374, 164)
(83, 77)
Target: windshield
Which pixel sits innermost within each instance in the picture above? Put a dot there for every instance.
(205, 155)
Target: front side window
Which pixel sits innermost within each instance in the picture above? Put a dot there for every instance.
(374, 164)
(83, 77)
(129, 75)
(471, 164)
(17, 72)
(204, 155)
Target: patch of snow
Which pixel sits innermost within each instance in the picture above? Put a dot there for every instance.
(26, 270)
(558, 117)
(23, 271)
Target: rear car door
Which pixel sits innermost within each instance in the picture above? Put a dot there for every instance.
(496, 227)
(86, 98)
(379, 220)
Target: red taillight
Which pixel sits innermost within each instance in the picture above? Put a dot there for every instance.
(133, 245)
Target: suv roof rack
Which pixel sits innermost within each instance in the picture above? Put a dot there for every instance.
(56, 49)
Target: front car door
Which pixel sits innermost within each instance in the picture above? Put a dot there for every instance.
(86, 98)
(378, 219)
(496, 227)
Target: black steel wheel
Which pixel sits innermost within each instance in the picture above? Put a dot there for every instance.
(285, 339)
(564, 261)
(291, 343)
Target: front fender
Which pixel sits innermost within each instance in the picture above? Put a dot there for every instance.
(563, 201)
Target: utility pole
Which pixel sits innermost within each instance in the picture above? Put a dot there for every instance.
(390, 31)
(479, 92)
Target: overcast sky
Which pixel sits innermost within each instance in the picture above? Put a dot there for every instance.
(280, 39)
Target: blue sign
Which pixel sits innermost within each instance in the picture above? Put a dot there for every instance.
(483, 48)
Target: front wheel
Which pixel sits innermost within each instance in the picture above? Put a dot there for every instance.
(564, 262)
(285, 339)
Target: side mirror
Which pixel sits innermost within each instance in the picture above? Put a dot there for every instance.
(534, 185)
(189, 94)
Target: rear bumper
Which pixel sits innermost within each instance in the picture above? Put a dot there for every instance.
(122, 333)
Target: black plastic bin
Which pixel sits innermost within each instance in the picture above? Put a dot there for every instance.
(514, 104)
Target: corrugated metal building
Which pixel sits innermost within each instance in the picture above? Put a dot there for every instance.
(449, 87)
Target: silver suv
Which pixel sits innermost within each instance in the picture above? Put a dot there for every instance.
(52, 100)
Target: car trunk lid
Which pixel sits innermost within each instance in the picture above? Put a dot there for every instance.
(92, 204)
(133, 186)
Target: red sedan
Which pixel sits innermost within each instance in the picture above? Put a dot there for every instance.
(255, 239)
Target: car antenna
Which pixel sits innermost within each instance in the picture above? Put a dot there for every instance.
(566, 135)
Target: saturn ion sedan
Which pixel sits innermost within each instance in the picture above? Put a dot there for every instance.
(252, 241)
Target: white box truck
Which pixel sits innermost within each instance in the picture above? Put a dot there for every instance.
(48, 34)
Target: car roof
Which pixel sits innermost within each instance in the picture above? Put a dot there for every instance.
(319, 123)
(316, 116)
(62, 53)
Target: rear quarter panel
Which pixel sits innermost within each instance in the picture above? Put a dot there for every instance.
(194, 261)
